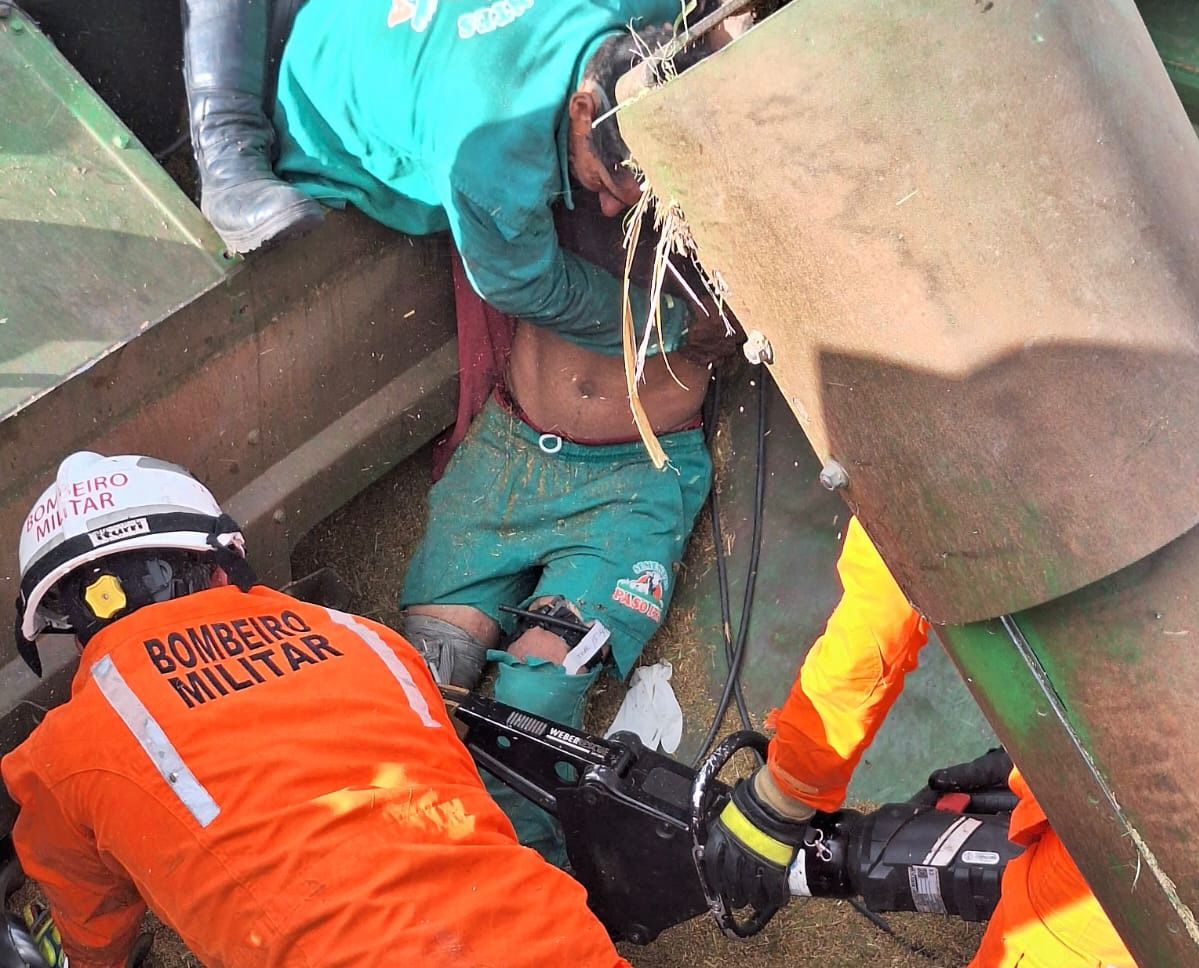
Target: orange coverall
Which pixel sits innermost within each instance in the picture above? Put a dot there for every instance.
(280, 783)
(1047, 916)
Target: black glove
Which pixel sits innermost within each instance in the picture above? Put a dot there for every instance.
(750, 849)
(140, 950)
(45, 935)
(989, 771)
(17, 947)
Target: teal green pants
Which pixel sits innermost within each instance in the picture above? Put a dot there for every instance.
(520, 515)
(539, 687)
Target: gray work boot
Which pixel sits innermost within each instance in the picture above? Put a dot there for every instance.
(225, 69)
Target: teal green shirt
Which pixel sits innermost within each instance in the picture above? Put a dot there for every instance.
(431, 115)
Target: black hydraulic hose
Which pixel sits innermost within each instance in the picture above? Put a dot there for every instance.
(882, 924)
(732, 684)
(735, 655)
(751, 579)
(179, 142)
(722, 572)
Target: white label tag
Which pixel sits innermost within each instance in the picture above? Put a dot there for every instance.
(925, 883)
(988, 857)
(797, 876)
(115, 532)
(587, 649)
(950, 842)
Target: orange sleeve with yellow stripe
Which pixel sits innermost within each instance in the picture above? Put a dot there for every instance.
(849, 680)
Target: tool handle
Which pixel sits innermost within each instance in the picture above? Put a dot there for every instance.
(525, 751)
(701, 810)
(565, 624)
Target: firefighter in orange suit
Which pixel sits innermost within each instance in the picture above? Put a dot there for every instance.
(277, 781)
(1047, 916)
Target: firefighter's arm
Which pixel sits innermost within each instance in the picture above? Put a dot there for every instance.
(848, 681)
(97, 909)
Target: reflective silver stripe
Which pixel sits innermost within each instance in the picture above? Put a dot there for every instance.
(153, 740)
(416, 698)
(951, 840)
(950, 845)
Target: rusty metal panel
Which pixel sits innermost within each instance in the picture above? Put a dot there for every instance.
(969, 231)
(1096, 695)
(287, 389)
(348, 332)
(287, 386)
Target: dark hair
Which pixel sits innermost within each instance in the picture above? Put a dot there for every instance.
(142, 577)
(612, 59)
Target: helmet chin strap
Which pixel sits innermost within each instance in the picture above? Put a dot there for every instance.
(26, 648)
(228, 553)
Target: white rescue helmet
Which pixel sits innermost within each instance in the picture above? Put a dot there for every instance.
(102, 506)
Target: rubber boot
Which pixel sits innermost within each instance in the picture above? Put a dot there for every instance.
(225, 69)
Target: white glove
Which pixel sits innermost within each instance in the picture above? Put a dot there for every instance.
(650, 709)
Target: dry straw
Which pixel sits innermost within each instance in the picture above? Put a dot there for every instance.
(674, 238)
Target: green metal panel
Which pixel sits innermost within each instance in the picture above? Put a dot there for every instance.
(1174, 27)
(907, 255)
(934, 723)
(815, 183)
(99, 244)
(1095, 695)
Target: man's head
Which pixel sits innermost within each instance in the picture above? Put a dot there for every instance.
(597, 152)
(112, 535)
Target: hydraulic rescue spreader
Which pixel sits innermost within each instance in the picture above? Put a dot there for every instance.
(635, 826)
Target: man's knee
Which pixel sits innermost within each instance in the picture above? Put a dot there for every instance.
(455, 656)
(537, 642)
(531, 675)
(471, 620)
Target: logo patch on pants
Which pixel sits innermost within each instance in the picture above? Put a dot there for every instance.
(644, 593)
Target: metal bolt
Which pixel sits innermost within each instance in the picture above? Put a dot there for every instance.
(120, 140)
(833, 476)
(253, 437)
(279, 516)
(757, 348)
(173, 777)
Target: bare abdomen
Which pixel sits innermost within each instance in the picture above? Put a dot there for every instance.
(571, 391)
